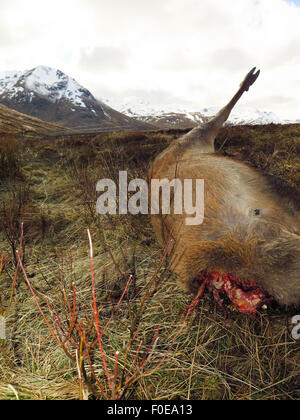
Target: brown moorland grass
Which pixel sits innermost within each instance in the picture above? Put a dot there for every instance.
(213, 356)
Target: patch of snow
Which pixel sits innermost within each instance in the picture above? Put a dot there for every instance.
(106, 114)
(44, 81)
(141, 109)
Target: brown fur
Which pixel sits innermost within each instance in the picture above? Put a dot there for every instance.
(233, 237)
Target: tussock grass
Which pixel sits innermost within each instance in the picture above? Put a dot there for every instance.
(212, 358)
(10, 156)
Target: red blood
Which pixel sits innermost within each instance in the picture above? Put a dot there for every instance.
(246, 297)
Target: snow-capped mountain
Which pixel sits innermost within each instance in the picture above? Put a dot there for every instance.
(174, 116)
(43, 81)
(52, 96)
(166, 116)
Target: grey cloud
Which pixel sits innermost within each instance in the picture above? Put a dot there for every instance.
(6, 38)
(17, 36)
(153, 96)
(121, 8)
(270, 100)
(180, 61)
(280, 100)
(157, 96)
(104, 59)
(285, 54)
(231, 59)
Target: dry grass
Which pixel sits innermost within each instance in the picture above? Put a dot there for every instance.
(212, 358)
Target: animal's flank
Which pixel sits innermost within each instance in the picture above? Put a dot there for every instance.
(251, 227)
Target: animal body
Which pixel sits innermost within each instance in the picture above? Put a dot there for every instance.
(251, 226)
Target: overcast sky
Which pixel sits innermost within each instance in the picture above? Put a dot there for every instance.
(190, 52)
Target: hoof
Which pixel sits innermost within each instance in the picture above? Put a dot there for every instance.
(250, 79)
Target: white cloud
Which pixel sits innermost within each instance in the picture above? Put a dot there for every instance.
(193, 50)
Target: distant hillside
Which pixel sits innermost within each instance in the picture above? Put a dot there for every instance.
(178, 117)
(53, 96)
(21, 125)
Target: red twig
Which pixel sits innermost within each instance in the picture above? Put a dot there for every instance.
(96, 310)
(83, 334)
(143, 359)
(67, 340)
(117, 306)
(115, 392)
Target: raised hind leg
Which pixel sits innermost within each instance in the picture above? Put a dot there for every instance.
(224, 113)
(203, 137)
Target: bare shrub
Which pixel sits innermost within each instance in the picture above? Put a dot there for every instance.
(81, 333)
(9, 157)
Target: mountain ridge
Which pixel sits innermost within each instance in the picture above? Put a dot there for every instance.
(50, 95)
(176, 116)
